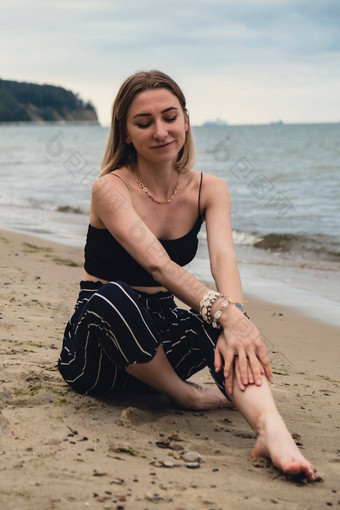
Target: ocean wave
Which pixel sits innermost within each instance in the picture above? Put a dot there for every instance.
(14, 201)
(6, 200)
(322, 246)
(302, 246)
(69, 209)
(245, 238)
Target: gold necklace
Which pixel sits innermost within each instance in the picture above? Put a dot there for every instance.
(160, 202)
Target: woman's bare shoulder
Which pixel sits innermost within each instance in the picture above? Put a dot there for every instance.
(109, 194)
(112, 179)
(211, 183)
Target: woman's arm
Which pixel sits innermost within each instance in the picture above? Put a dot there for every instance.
(112, 205)
(223, 263)
(240, 337)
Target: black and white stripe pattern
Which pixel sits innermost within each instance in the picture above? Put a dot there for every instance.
(114, 325)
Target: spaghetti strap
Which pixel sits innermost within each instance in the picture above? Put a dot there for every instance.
(121, 178)
(199, 198)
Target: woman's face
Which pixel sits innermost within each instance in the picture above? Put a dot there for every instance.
(156, 125)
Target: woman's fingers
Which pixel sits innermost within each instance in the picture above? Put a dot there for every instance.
(218, 360)
(228, 361)
(243, 369)
(247, 361)
(250, 375)
(265, 362)
(238, 374)
(229, 370)
(229, 380)
(255, 366)
(251, 379)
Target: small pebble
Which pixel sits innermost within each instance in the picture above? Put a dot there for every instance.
(168, 464)
(191, 457)
(156, 463)
(296, 436)
(192, 465)
(117, 481)
(175, 446)
(215, 469)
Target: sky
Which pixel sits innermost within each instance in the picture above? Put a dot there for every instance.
(243, 61)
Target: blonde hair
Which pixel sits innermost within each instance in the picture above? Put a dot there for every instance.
(118, 153)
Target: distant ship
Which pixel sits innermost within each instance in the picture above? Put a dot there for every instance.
(277, 123)
(217, 122)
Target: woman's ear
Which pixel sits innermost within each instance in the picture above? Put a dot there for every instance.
(127, 139)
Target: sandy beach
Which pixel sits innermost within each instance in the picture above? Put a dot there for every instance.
(60, 450)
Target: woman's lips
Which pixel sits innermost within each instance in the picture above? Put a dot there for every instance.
(162, 146)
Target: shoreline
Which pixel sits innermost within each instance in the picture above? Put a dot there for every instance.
(312, 288)
(103, 453)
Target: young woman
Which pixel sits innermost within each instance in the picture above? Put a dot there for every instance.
(147, 208)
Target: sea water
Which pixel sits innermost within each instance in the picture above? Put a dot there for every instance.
(284, 182)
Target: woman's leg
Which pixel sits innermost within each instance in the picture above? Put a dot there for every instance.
(256, 404)
(108, 331)
(159, 374)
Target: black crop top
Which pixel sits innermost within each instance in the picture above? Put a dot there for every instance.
(106, 258)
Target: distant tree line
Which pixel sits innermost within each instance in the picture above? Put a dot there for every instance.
(20, 101)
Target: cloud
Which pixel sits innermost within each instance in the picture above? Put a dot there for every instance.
(93, 45)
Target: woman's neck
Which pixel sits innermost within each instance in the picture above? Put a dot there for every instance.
(158, 178)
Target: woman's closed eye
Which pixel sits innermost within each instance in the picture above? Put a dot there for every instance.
(171, 119)
(144, 125)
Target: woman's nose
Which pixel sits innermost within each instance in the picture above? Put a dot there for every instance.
(160, 130)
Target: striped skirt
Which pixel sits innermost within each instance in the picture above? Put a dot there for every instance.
(114, 325)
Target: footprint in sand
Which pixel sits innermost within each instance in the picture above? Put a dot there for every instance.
(132, 416)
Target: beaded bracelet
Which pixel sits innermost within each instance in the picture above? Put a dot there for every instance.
(206, 303)
(218, 313)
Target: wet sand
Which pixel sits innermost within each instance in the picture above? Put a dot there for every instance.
(60, 450)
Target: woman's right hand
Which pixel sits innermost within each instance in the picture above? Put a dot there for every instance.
(241, 339)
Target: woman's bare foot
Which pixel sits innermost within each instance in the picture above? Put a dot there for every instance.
(274, 441)
(204, 398)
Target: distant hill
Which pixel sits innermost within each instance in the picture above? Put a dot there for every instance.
(20, 101)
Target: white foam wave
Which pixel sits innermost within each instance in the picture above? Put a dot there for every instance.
(239, 237)
(245, 238)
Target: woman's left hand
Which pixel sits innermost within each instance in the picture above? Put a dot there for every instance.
(241, 351)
